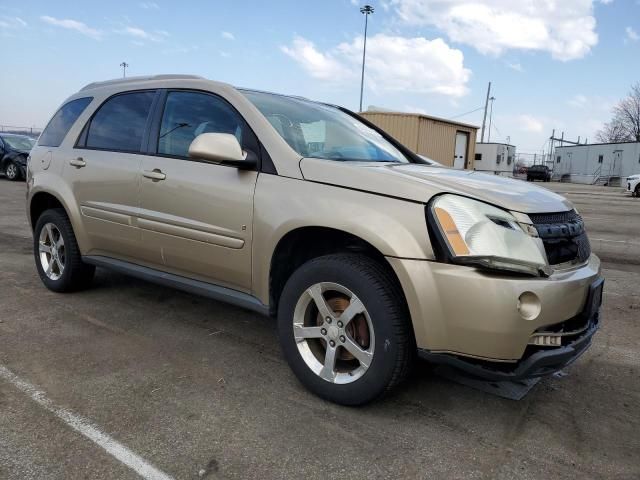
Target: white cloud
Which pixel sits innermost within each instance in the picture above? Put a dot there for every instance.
(578, 101)
(228, 35)
(515, 66)
(566, 28)
(11, 23)
(73, 25)
(141, 34)
(149, 5)
(632, 35)
(317, 64)
(393, 64)
(606, 2)
(528, 123)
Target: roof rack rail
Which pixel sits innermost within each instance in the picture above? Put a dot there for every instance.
(143, 78)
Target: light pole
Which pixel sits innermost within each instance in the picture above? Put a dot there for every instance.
(366, 11)
(490, 117)
(124, 66)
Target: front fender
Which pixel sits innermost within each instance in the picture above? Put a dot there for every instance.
(395, 227)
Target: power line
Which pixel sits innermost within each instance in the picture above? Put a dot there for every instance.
(466, 113)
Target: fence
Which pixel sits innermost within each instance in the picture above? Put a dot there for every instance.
(29, 131)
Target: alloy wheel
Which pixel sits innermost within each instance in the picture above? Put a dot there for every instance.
(333, 333)
(52, 251)
(12, 171)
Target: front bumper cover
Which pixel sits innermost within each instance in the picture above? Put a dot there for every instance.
(538, 363)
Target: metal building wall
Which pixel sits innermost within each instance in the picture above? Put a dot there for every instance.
(427, 136)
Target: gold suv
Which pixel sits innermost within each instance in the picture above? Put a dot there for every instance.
(366, 253)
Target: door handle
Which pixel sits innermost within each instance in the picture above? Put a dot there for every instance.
(78, 162)
(155, 174)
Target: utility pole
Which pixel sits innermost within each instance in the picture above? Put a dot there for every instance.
(366, 11)
(124, 66)
(484, 119)
(490, 118)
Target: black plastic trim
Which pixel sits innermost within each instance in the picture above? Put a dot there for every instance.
(189, 285)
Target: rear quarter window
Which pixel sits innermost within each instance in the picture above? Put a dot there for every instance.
(61, 122)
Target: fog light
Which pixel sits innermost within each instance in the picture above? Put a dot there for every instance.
(529, 306)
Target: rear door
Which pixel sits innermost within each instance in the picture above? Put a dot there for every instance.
(104, 173)
(197, 215)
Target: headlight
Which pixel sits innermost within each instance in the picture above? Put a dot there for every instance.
(476, 233)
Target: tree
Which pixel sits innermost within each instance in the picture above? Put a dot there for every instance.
(612, 132)
(625, 124)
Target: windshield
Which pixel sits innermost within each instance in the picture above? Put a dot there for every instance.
(321, 131)
(18, 142)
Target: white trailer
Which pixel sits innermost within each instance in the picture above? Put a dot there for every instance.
(597, 163)
(497, 158)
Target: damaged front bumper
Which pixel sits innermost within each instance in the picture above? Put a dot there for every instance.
(563, 349)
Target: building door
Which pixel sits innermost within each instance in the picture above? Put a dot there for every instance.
(460, 151)
(616, 163)
(566, 163)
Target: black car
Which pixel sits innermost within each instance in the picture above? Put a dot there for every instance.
(538, 172)
(14, 150)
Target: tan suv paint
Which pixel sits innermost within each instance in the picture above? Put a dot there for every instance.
(217, 229)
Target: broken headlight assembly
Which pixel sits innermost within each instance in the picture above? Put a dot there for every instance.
(470, 232)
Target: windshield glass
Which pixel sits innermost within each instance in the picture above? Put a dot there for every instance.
(321, 131)
(18, 142)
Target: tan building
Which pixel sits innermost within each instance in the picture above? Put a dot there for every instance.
(451, 143)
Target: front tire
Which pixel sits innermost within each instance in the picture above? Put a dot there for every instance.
(12, 171)
(57, 255)
(344, 328)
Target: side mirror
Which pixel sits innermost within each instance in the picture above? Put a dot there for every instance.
(221, 148)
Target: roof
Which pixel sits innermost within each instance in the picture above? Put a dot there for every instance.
(594, 144)
(420, 115)
(125, 81)
(495, 143)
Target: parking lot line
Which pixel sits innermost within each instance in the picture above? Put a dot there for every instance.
(86, 428)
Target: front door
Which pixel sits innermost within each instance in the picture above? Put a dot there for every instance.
(198, 215)
(460, 151)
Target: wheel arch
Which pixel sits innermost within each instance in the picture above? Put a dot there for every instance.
(305, 243)
(40, 202)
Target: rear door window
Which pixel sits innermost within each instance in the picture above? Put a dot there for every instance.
(119, 124)
(61, 122)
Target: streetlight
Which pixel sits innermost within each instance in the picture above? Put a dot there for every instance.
(366, 11)
(490, 117)
(124, 66)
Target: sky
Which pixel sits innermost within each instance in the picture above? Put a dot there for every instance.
(553, 64)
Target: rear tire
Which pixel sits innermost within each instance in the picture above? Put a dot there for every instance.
(637, 191)
(328, 347)
(57, 255)
(12, 171)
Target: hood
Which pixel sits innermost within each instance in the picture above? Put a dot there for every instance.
(417, 182)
